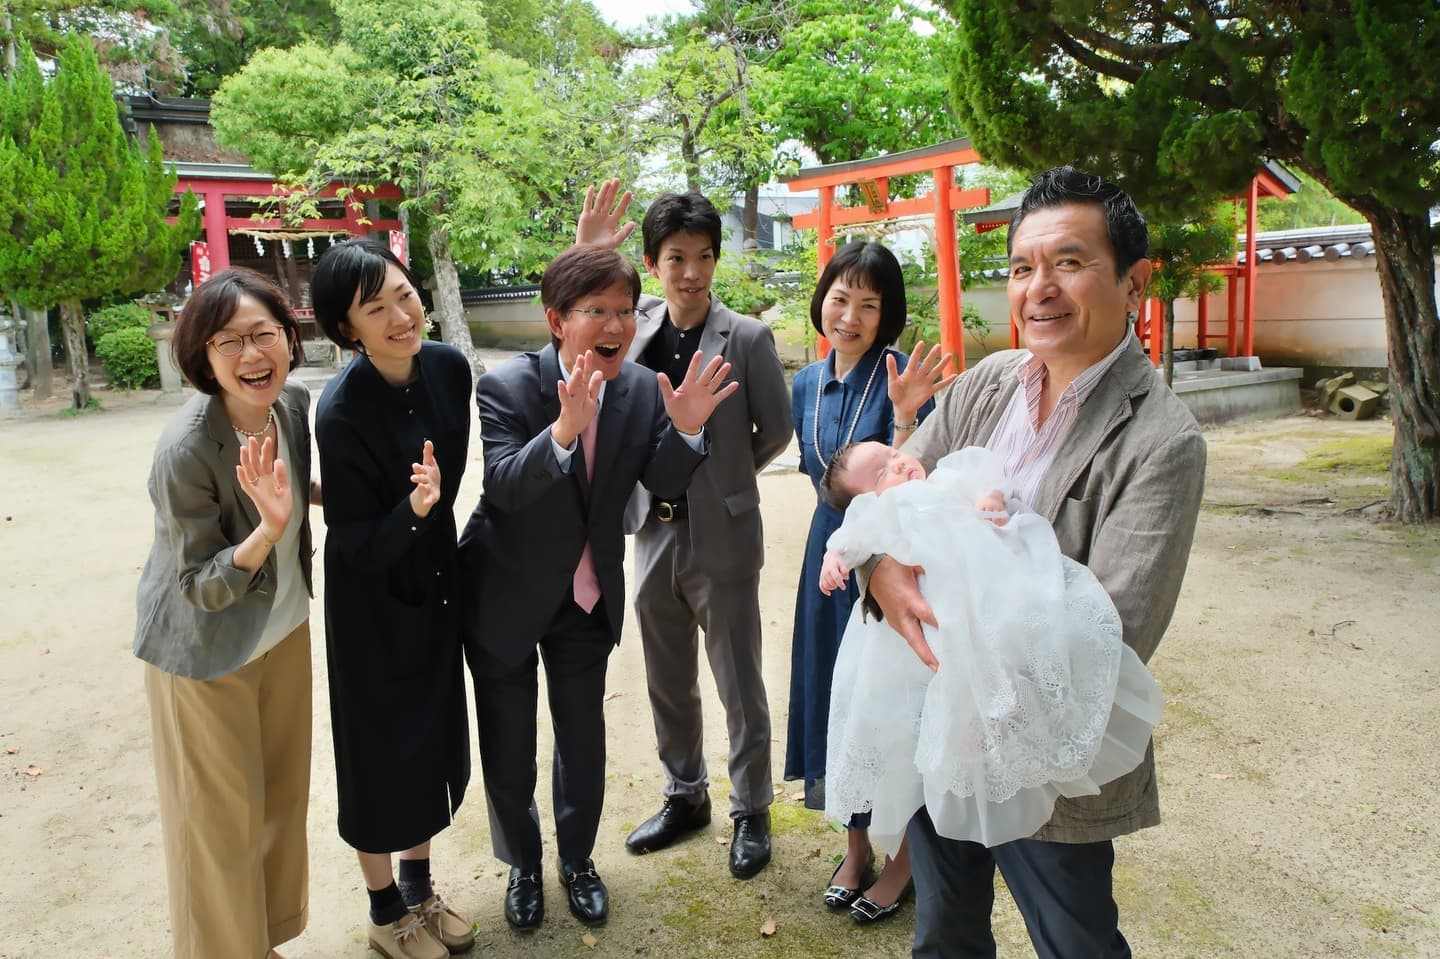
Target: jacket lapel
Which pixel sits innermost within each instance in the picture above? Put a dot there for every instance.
(614, 418)
(717, 330)
(223, 433)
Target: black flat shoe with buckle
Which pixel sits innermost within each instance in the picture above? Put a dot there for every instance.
(866, 910)
(589, 899)
(524, 900)
(843, 897)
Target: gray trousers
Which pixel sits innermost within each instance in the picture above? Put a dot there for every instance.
(673, 602)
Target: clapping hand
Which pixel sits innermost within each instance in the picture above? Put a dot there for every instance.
(579, 400)
(691, 404)
(426, 477)
(922, 379)
(600, 217)
(266, 481)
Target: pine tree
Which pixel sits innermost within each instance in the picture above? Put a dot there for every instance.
(89, 212)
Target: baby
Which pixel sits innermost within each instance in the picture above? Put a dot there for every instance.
(873, 467)
(1036, 695)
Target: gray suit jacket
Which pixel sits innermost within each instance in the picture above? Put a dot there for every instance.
(198, 615)
(1123, 495)
(746, 432)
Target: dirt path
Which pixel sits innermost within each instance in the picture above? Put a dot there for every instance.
(1297, 753)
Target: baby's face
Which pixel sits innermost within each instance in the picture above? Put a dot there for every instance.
(874, 467)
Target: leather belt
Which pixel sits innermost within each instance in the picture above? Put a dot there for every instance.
(668, 511)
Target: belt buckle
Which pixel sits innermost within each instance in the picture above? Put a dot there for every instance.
(664, 512)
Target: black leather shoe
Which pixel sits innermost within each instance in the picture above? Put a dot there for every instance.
(589, 899)
(524, 900)
(866, 910)
(677, 817)
(843, 897)
(750, 849)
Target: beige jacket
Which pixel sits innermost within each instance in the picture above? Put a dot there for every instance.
(1123, 495)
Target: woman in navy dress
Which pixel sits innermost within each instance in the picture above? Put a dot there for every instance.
(862, 391)
(393, 431)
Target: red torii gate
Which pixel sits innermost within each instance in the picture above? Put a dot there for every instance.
(216, 224)
(872, 178)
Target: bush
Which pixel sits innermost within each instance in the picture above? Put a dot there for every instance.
(121, 316)
(127, 356)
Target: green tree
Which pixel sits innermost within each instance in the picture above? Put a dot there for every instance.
(1311, 206)
(216, 40)
(484, 146)
(1181, 251)
(1181, 100)
(852, 79)
(89, 212)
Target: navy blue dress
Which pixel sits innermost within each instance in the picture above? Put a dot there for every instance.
(819, 619)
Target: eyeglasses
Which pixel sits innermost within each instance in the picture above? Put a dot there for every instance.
(602, 314)
(230, 344)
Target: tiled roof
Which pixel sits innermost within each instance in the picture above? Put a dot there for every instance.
(1331, 243)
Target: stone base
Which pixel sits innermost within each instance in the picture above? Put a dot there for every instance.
(1234, 396)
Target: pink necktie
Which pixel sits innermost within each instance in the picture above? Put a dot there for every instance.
(587, 582)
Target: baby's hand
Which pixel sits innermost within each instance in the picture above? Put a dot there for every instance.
(993, 502)
(834, 574)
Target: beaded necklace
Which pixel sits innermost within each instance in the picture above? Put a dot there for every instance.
(854, 421)
(269, 422)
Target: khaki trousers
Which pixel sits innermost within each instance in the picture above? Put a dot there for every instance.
(232, 762)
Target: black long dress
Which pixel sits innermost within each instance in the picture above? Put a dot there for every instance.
(392, 629)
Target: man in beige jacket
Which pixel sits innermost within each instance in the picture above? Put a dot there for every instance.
(1097, 444)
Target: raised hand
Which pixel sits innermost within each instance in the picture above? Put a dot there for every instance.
(579, 400)
(691, 404)
(426, 477)
(922, 379)
(834, 574)
(266, 481)
(600, 217)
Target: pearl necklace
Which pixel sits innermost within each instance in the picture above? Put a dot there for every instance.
(854, 421)
(269, 422)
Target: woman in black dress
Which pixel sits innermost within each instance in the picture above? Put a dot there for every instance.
(393, 431)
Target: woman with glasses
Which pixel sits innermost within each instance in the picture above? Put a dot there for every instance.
(393, 431)
(222, 624)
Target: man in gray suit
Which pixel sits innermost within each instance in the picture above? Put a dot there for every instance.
(698, 558)
(1096, 443)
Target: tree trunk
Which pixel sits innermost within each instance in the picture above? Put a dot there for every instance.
(689, 157)
(72, 321)
(1167, 345)
(1405, 261)
(37, 350)
(750, 216)
(451, 311)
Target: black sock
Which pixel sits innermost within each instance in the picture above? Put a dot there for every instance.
(386, 906)
(415, 881)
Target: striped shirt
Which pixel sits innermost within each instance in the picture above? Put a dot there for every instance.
(1025, 445)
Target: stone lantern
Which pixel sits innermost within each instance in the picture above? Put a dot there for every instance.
(162, 331)
(9, 363)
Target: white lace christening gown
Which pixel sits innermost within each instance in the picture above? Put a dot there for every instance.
(1036, 696)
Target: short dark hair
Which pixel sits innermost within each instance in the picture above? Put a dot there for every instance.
(357, 264)
(679, 213)
(1129, 238)
(873, 266)
(581, 270)
(212, 306)
(835, 495)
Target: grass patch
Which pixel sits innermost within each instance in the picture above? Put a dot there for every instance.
(1172, 909)
(1353, 456)
(94, 406)
(1382, 918)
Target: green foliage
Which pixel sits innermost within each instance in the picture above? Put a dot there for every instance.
(286, 103)
(219, 39)
(852, 80)
(121, 316)
(737, 283)
(88, 217)
(1312, 206)
(127, 355)
(1182, 251)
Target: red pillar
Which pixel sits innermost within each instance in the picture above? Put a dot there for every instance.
(824, 252)
(1250, 203)
(947, 267)
(1014, 333)
(216, 235)
(1157, 330)
(1202, 321)
(1232, 318)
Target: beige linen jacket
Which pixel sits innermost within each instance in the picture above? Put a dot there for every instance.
(1123, 495)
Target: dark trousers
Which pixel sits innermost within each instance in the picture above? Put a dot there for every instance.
(576, 648)
(1063, 891)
